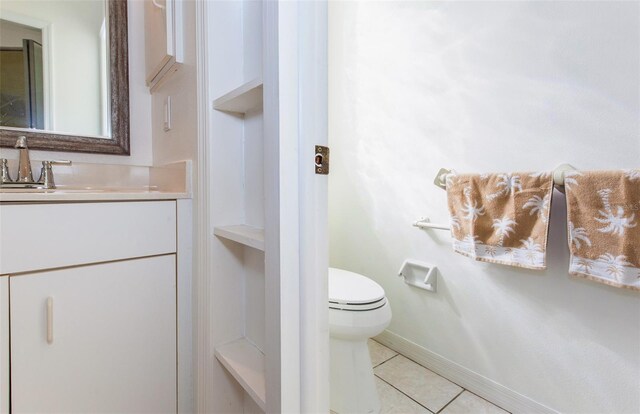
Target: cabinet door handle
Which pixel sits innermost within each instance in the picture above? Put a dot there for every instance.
(49, 320)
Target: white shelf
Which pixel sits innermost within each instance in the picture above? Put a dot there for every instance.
(242, 99)
(246, 363)
(243, 234)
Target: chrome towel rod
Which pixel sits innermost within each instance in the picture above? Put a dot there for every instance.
(558, 176)
(441, 181)
(424, 223)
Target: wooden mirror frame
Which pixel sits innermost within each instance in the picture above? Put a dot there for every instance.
(118, 144)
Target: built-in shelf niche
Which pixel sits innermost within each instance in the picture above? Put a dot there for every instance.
(243, 234)
(245, 362)
(238, 199)
(245, 98)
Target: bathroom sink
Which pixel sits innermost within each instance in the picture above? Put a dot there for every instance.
(24, 190)
(75, 190)
(52, 190)
(107, 190)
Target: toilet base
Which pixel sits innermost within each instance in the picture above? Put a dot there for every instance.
(353, 388)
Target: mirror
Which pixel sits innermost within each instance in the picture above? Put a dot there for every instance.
(64, 78)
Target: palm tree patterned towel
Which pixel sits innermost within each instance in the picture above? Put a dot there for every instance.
(604, 235)
(501, 218)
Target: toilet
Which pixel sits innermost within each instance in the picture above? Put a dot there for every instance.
(358, 310)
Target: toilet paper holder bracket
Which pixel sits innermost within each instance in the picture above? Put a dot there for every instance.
(419, 274)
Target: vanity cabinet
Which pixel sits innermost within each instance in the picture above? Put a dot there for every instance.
(4, 345)
(95, 338)
(90, 291)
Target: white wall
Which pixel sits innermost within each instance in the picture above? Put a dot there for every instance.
(181, 142)
(139, 104)
(479, 87)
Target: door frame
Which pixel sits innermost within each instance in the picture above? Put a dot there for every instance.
(312, 20)
(296, 227)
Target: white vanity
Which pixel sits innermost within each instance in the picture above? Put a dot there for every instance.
(92, 288)
(95, 266)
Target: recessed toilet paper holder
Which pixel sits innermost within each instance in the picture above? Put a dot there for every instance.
(419, 274)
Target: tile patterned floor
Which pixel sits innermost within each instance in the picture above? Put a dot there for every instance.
(408, 388)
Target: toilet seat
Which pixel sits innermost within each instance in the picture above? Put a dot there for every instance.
(358, 307)
(350, 291)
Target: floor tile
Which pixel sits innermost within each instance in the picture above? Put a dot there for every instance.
(395, 402)
(419, 383)
(468, 403)
(379, 353)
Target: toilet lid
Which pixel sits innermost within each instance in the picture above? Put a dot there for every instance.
(348, 288)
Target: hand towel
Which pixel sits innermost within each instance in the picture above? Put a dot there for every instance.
(501, 218)
(603, 226)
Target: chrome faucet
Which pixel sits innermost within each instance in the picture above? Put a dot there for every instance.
(24, 162)
(25, 175)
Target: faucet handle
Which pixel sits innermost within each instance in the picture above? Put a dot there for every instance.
(58, 162)
(4, 172)
(46, 175)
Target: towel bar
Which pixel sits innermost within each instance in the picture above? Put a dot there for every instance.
(424, 223)
(441, 181)
(558, 176)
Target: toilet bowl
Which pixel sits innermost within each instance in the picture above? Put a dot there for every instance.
(358, 310)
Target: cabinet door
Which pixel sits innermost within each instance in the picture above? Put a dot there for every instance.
(72, 234)
(164, 46)
(4, 345)
(98, 338)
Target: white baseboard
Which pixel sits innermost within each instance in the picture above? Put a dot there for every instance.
(499, 394)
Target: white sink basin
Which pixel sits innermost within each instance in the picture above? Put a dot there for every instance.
(72, 190)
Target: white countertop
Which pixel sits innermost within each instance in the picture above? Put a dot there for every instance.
(21, 195)
(102, 182)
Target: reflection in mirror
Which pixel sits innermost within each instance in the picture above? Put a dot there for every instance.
(64, 74)
(68, 93)
(21, 76)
